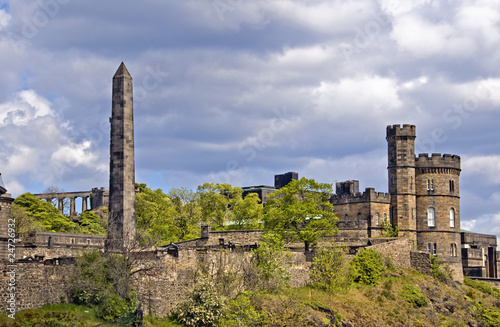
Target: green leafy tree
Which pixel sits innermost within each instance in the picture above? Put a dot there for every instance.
(103, 281)
(155, 216)
(188, 212)
(217, 203)
(248, 212)
(271, 258)
(330, 269)
(90, 223)
(301, 211)
(44, 213)
(25, 223)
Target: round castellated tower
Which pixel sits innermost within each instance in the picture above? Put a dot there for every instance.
(438, 208)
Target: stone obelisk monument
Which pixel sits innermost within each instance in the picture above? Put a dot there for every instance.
(121, 222)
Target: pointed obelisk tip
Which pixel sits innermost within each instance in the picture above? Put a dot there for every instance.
(122, 71)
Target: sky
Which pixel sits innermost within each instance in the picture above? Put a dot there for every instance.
(236, 91)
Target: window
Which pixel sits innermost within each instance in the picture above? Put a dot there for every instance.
(385, 218)
(431, 220)
(452, 186)
(434, 251)
(377, 219)
(432, 185)
(453, 250)
(429, 247)
(428, 185)
(452, 217)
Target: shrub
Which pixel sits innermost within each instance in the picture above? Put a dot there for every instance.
(367, 266)
(483, 287)
(203, 307)
(413, 295)
(329, 270)
(440, 273)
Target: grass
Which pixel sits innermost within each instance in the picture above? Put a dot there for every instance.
(360, 305)
(74, 315)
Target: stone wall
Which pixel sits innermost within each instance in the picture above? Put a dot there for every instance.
(161, 281)
(36, 284)
(421, 261)
(398, 249)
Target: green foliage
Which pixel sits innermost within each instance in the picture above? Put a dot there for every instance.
(413, 295)
(490, 317)
(301, 211)
(44, 213)
(90, 223)
(438, 271)
(453, 323)
(155, 216)
(388, 230)
(25, 223)
(242, 312)
(248, 213)
(103, 281)
(271, 259)
(203, 307)
(329, 269)
(188, 213)
(483, 287)
(367, 266)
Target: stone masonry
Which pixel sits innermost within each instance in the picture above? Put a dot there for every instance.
(121, 222)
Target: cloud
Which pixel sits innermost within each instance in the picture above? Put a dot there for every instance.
(487, 168)
(37, 145)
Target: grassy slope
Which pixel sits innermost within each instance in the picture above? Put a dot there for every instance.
(362, 305)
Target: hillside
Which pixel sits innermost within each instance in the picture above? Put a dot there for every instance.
(385, 304)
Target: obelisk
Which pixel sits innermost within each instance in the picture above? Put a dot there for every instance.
(121, 221)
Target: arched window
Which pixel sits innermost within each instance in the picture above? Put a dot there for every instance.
(377, 219)
(453, 250)
(452, 217)
(431, 220)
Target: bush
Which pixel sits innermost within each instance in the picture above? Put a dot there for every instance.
(329, 270)
(413, 295)
(203, 308)
(102, 281)
(367, 267)
(483, 287)
(440, 273)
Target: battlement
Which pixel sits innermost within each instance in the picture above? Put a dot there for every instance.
(369, 195)
(396, 130)
(437, 161)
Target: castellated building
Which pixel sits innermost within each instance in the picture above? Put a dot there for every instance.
(423, 199)
(423, 202)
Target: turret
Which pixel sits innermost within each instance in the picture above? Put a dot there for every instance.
(401, 169)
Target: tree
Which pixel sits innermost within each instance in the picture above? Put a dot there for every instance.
(155, 217)
(25, 223)
(248, 212)
(90, 223)
(188, 212)
(44, 213)
(301, 211)
(218, 202)
(329, 269)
